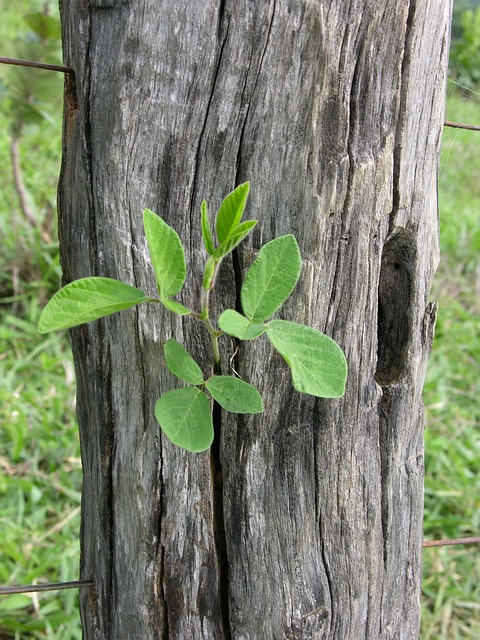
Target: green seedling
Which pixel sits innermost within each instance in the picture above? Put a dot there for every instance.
(317, 363)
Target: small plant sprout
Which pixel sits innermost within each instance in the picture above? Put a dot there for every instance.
(317, 363)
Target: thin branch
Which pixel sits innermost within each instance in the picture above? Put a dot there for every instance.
(37, 65)
(20, 188)
(444, 543)
(53, 586)
(461, 125)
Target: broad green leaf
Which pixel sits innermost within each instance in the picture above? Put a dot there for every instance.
(234, 239)
(317, 363)
(166, 253)
(175, 307)
(235, 395)
(86, 300)
(233, 323)
(206, 231)
(271, 278)
(181, 363)
(186, 418)
(231, 211)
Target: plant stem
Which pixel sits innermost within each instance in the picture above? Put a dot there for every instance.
(216, 352)
(213, 333)
(204, 315)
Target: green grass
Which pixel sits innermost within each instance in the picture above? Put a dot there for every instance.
(451, 586)
(40, 473)
(40, 479)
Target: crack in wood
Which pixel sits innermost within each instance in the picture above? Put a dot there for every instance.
(207, 114)
(402, 115)
(166, 627)
(89, 117)
(330, 584)
(219, 521)
(221, 15)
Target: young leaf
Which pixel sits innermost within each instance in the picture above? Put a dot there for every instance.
(235, 395)
(238, 326)
(181, 363)
(271, 278)
(87, 299)
(186, 418)
(234, 239)
(206, 231)
(209, 273)
(231, 211)
(166, 253)
(316, 361)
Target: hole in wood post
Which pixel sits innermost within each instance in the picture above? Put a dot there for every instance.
(394, 300)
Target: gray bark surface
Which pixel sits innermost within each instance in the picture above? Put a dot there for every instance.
(304, 521)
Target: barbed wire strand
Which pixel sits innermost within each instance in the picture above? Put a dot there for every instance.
(444, 543)
(76, 584)
(53, 586)
(69, 70)
(37, 65)
(461, 125)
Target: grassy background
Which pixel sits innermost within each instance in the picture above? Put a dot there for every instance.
(40, 475)
(452, 476)
(40, 472)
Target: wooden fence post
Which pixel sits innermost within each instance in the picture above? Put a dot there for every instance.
(305, 521)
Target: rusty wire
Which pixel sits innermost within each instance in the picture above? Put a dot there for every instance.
(36, 65)
(445, 543)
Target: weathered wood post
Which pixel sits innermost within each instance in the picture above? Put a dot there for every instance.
(306, 521)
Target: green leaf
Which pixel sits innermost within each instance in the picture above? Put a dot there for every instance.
(186, 418)
(166, 253)
(86, 300)
(181, 363)
(209, 273)
(317, 363)
(231, 211)
(235, 395)
(236, 325)
(271, 278)
(206, 231)
(175, 307)
(234, 239)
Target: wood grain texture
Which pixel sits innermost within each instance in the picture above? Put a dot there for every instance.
(334, 111)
